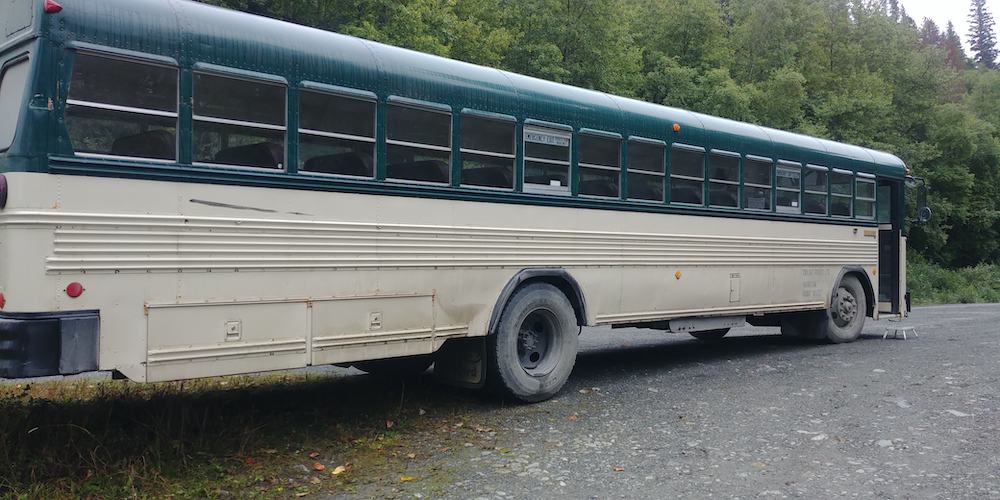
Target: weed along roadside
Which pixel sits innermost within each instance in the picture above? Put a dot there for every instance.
(638, 419)
(276, 435)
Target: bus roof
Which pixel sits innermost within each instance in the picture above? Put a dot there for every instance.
(223, 37)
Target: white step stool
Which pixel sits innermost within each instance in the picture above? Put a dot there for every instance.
(896, 330)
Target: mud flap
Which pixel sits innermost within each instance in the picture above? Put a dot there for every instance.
(461, 363)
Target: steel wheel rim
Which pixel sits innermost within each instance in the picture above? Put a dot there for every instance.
(536, 342)
(845, 308)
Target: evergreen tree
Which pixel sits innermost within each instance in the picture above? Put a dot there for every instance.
(954, 51)
(930, 34)
(905, 19)
(982, 37)
(894, 10)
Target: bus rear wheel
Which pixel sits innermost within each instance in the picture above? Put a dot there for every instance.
(709, 335)
(841, 323)
(532, 353)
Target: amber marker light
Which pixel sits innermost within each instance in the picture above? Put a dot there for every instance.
(52, 7)
(74, 290)
(677, 275)
(677, 127)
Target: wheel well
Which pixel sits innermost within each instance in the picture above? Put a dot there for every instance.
(559, 278)
(865, 283)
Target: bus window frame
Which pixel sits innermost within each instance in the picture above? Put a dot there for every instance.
(662, 174)
(251, 77)
(345, 93)
(485, 115)
(428, 106)
(555, 130)
(826, 192)
(580, 165)
(763, 160)
(737, 183)
(77, 48)
(788, 166)
(862, 177)
(850, 197)
(704, 174)
(22, 58)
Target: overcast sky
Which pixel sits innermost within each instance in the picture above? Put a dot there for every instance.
(942, 11)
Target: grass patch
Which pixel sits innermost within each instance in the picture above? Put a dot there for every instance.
(932, 284)
(237, 437)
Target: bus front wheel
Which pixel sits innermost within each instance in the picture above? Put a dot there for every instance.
(533, 351)
(842, 322)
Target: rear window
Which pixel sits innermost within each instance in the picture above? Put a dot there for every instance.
(13, 86)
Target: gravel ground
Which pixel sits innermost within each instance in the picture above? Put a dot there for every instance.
(648, 414)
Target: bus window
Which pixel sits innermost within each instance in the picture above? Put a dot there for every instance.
(122, 108)
(646, 163)
(788, 176)
(336, 134)
(13, 86)
(757, 183)
(419, 142)
(546, 160)
(600, 166)
(816, 182)
(864, 203)
(842, 191)
(238, 122)
(687, 174)
(487, 152)
(724, 179)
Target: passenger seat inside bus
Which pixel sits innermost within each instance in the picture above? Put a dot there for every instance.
(423, 170)
(599, 187)
(158, 144)
(489, 176)
(685, 195)
(262, 154)
(350, 163)
(643, 192)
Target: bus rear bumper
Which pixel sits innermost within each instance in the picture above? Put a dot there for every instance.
(45, 344)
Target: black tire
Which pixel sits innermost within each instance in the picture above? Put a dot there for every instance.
(841, 323)
(396, 367)
(532, 353)
(710, 335)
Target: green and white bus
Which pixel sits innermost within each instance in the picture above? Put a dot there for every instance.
(189, 191)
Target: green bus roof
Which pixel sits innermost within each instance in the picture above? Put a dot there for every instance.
(190, 32)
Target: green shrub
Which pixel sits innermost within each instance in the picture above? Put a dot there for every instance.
(933, 284)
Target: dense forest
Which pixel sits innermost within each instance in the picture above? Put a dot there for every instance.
(859, 71)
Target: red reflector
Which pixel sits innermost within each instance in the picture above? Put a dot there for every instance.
(3, 300)
(51, 7)
(74, 290)
(3, 191)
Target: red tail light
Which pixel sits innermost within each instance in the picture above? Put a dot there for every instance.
(51, 7)
(3, 300)
(74, 290)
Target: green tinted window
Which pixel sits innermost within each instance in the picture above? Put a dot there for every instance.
(13, 87)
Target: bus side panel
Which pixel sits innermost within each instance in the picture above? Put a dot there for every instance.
(352, 329)
(190, 341)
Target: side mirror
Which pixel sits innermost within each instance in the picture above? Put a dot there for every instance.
(924, 215)
(924, 212)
